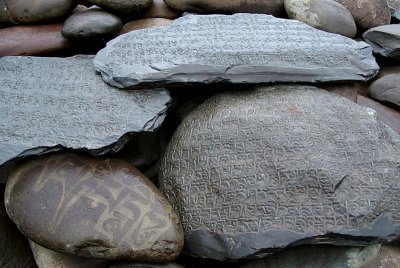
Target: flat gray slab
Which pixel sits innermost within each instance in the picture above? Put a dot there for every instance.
(241, 48)
(46, 102)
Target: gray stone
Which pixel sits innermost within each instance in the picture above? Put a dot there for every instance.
(394, 6)
(388, 257)
(95, 208)
(251, 172)
(122, 6)
(318, 256)
(241, 48)
(385, 40)
(91, 23)
(145, 265)
(386, 89)
(46, 258)
(325, 15)
(47, 102)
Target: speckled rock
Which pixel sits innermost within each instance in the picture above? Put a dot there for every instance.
(159, 9)
(129, 7)
(92, 208)
(34, 11)
(271, 7)
(91, 23)
(394, 6)
(144, 24)
(386, 89)
(385, 40)
(388, 257)
(326, 15)
(368, 13)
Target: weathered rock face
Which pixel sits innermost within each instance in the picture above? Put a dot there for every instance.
(46, 258)
(91, 23)
(34, 11)
(159, 9)
(319, 256)
(126, 7)
(271, 7)
(385, 40)
(388, 257)
(242, 48)
(92, 208)
(32, 40)
(326, 15)
(254, 171)
(144, 24)
(61, 101)
(386, 89)
(394, 5)
(368, 13)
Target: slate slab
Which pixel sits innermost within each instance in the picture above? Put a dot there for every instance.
(47, 102)
(385, 40)
(252, 172)
(241, 48)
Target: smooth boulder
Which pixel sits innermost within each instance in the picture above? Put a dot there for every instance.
(126, 7)
(368, 13)
(252, 172)
(101, 208)
(144, 24)
(235, 49)
(325, 15)
(386, 89)
(385, 40)
(34, 11)
(91, 23)
(159, 9)
(271, 7)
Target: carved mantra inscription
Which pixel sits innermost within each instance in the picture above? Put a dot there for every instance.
(287, 158)
(73, 200)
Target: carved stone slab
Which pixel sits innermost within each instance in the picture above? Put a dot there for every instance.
(254, 171)
(92, 208)
(46, 102)
(241, 48)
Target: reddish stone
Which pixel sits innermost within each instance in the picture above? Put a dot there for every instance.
(160, 10)
(145, 23)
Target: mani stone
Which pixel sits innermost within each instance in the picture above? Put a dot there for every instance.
(91, 23)
(318, 256)
(101, 208)
(386, 89)
(325, 15)
(34, 11)
(127, 7)
(385, 40)
(61, 101)
(46, 258)
(252, 172)
(240, 48)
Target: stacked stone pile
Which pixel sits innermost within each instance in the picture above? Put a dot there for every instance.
(201, 133)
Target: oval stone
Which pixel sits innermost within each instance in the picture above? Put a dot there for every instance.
(92, 208)
(34, 11)
(271, 7)
(124, 6)
(144, 24)
(386, 89)
(91, 23)
(326, 15)
(368, 13)
(159, 9)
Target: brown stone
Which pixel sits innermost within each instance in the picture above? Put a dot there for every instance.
(388, 257)
(159, 9)
(348, 91)
(32, 40)
(145, 23)
(368, 13)
(92, 208)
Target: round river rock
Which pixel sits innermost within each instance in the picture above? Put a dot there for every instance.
(92, 208)
(124, 6)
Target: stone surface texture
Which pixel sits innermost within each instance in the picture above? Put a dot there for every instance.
(394, 5)
(92, 208)
(386, 89)
(241, 48)
(318, 256)
(32, 40)
(368, 13)
(385, 40)
(129, 7)
(254, 171)
(144, 24)
(325, 15)
(47, 102)
(46, 258)
(159, 9)
(91, 23)
(34, 11)
(388, 257)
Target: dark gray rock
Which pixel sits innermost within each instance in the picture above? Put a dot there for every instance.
(385, 40)
(47, 102)
(129, 7)
(318, 256)
(242, 48)
(251, 172)
(46, 258)
(145, 265)
(95, 208)
(388, 257)
(386, 89)
(91, 23)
